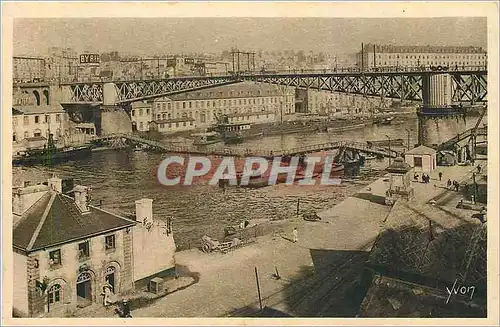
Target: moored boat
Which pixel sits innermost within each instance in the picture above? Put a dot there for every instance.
(50, 154)
(207, 138)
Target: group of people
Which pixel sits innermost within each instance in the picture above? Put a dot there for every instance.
(425, 178)
(453, 185)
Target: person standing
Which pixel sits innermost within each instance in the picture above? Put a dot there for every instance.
(440, 176)
(295, 235)
(448, 184)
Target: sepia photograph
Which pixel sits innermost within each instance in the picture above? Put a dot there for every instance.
(249, 166)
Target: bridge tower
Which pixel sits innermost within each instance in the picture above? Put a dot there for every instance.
(434, 123)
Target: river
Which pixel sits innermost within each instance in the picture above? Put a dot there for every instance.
(118, 178)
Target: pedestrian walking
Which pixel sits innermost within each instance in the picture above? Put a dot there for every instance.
(448, 183)
(440, 175)
(295, 235)
(479, 169)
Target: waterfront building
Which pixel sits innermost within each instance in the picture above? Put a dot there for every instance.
(377, 55)
(242, 103)
(336, 104)
(421, 159)
(67, 251)
(28, 69)
(141, 115)
(37, 122)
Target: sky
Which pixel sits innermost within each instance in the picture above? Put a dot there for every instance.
(194, 35)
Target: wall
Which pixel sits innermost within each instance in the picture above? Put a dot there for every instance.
(113, 120)
(26, 127)
(20, 282)
(154, 248)
(427, 161)
(141, 116)
(100, 259)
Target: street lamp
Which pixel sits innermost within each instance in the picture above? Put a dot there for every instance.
(408, 133)
(389, 148)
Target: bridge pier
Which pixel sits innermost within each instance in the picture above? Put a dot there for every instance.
(112, 119)
(437, 104)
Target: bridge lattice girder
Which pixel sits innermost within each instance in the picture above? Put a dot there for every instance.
(467, 86)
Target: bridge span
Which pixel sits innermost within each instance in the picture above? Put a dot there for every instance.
(430, 87)
(132, 139)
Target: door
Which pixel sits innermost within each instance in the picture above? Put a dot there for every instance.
(111, 278)
(84, 287)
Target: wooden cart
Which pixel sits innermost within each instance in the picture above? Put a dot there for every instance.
(210, 245)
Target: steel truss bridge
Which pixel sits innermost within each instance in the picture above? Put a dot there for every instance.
(467, 86)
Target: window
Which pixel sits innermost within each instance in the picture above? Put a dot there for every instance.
(140, 112)
(417, 161)
(164, 116)
(147, 111)
(37, 119)
(37, 133)
(55, 293)
(176, 124)
(47, 119)
(133, 113)
(14, 137)
(184, 124)
(158, 116)
(26, 134)
(55, 257)
(110, 242)
(83, 250)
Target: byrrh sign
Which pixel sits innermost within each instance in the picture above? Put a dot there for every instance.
(89, 58)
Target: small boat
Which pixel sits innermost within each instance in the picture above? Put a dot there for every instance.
(208, 138)
(345, 128)
(233, 138)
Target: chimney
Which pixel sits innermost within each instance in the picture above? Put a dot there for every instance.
(24, 197)
(55, 184)
(144, 209)
(82, 198)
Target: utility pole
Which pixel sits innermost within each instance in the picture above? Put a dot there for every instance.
(258, 288)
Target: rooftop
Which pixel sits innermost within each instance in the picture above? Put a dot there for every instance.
(422, 149)
(239, 90)
(31, 110)
(55, 219)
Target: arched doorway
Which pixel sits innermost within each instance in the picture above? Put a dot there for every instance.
(84, 288)
(37, 97)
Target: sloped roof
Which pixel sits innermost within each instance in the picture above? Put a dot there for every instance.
(42, 109)
(422, 149)
(55, 219)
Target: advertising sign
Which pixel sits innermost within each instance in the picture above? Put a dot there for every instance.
(89, 58)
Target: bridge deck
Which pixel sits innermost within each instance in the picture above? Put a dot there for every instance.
(164, 147)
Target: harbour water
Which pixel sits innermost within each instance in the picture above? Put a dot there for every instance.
(118, 178)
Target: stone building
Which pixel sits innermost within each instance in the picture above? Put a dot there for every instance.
(31, 124)
(336, 103)
(377, 55)
(28, 69)
(66, 250)
(242, 103)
